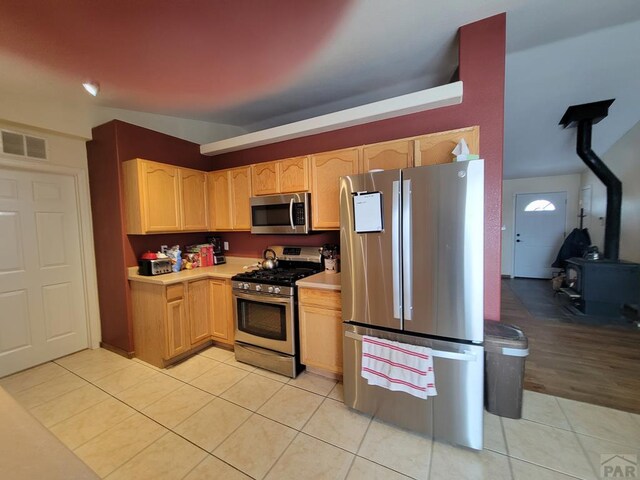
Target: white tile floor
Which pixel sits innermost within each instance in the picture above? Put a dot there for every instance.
(213, 418)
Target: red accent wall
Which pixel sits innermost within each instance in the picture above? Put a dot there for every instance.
(482, 68)
(113, 143)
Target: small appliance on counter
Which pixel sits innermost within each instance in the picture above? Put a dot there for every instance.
(218, 255)
(149, 265)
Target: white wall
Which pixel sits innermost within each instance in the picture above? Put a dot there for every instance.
(558, 183)
(623, 159)
(67, 155)
(77, 115)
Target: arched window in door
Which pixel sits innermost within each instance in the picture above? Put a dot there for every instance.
(540, 205)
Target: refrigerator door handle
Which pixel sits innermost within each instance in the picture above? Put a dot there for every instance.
(407, 250)
(395, 247)
(465, 356)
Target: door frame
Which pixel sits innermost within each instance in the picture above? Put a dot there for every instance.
(515, 214)
(87, 254)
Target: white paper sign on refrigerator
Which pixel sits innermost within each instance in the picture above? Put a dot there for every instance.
(367, 211)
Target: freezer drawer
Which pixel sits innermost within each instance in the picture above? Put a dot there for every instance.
(455, 415)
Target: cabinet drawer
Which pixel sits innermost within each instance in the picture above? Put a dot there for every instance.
(321, 298)
(175, 292)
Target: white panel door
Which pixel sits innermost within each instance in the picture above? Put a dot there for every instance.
(42, 302)
(540, 231)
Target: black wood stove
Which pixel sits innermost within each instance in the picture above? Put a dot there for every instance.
(602, 286)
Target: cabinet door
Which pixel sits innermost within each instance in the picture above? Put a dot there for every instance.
(199, 323)
(321, 338)
(195, 215)
(177, 328)
(388, 155)
(294, 175)
(222, 325)
(435, 148)
(326, 169)
(219, 187)
(240, 198)
(264, 178)
(161, 192)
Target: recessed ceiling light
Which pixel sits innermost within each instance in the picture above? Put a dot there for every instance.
(92, 87)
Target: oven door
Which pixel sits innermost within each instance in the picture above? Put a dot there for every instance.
(265, 321)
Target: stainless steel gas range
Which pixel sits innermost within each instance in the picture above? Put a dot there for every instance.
(265, 306)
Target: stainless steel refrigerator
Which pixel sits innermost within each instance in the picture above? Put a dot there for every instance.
(411, 244)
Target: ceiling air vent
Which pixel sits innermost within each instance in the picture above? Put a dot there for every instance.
(36, 147)
(23, 145)
(13, 143)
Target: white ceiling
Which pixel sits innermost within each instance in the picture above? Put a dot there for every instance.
(558, 53)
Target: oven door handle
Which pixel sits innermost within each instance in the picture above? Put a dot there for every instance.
(264, 298)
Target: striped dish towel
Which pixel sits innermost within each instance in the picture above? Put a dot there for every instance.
(398, 366)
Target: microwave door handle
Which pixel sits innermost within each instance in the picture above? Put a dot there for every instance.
(291, 214)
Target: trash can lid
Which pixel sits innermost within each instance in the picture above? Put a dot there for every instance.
(498, 335)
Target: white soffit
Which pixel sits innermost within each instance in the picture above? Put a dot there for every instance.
(442, 96)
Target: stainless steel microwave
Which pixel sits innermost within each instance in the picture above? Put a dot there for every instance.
(281, 214)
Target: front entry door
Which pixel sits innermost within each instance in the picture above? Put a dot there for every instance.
(540, 231)
(42, 300)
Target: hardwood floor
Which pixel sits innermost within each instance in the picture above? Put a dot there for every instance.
(588, 361)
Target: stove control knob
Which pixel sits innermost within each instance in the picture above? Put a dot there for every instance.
(258, 288)
(245, 286)
(276, 290)
(270, 289)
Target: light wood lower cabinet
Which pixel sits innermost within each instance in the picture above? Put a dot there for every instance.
(199, 311)
(221, 317)
(320, 313)
(177, 329)
(170, 321)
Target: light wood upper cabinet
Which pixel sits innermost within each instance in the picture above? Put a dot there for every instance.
(221, 308)
(195, 214)
(326, 169)
(290, 175)
(265, 179)
(387, 155)
(164, 198)
(199, 324)
(294, 175)
(229, 195)
(321, 329)
(219, 186)
(240, 198)
(152, 197)
(435, 148)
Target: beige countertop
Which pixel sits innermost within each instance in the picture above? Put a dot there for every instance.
(233, 266)
(322, 280)
(29, 451)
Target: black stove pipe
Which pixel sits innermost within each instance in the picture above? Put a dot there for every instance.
(584, 116)
(614, 189)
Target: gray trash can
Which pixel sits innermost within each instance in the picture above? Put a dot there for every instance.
(506, 348)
